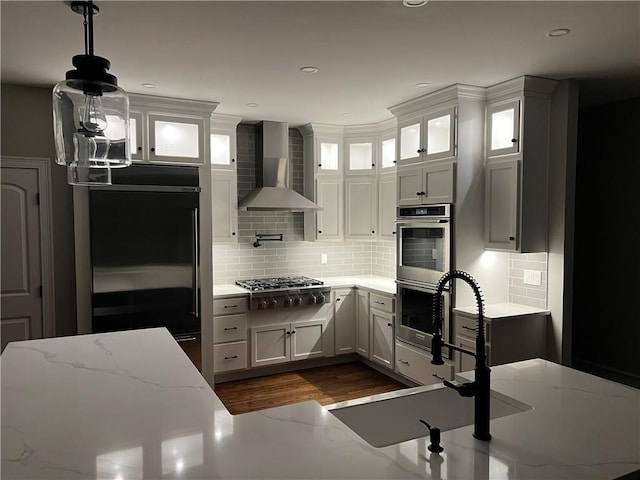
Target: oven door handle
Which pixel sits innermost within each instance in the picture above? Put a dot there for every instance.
(421, 287)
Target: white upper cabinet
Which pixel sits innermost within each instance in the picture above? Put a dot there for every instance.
(170, 131)
(387, 207)
(361, 208)
(427, 136)
(503, 128)
(360, 156)
(387, 153)
(517, 161)
(223, 141)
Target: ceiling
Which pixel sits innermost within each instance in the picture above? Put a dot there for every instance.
(370, 54)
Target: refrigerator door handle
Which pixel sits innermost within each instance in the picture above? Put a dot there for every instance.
(196, 263)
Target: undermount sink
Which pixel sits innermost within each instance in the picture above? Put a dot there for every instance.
(387, 421)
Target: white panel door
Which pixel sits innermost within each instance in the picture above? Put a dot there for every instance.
(360, 208)
(308, 339)
(362, 323)
(410, 186)
(382, 338)
(438, 183)
(270, 344)
(330, 218)
(224, 206)
(344, 321)
(21, 258)
(501, 205)
(387, 207)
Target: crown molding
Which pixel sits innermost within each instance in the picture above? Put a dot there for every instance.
(171, 105)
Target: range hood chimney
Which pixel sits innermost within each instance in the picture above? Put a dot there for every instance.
(272, 172)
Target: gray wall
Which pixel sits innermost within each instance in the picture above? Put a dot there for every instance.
(27, 131)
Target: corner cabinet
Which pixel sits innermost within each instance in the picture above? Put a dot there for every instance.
(169, 131)
(516, 164)
(344, 320)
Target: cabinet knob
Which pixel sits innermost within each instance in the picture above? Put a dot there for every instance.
(395, 161)
(373, 231)
(319, 231)
(153, 149)
(373, 164)
(512, 238)
(338, 299)
(393, 233)
(139, 149)
(389, 324)
(319, 165)
(514, 140)
(418, 193)
(233, 160)
(233, 233)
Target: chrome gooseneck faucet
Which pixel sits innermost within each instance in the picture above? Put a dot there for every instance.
(479, 388)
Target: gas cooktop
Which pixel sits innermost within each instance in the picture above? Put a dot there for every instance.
(278, 283)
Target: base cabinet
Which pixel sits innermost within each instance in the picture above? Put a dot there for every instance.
(382, 338)
(285, 342)
(508, 339)
(416, 365)
(344, 321)
(362, 323)
(229, 334)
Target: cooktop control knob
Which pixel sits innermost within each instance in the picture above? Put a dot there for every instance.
(321, 298)
(262, 304)
(313, 299)
(298, 301)
(288, 302)
(273, 303)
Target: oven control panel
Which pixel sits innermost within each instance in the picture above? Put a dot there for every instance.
(290, 298)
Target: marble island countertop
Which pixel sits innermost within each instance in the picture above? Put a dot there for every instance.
(130, 405)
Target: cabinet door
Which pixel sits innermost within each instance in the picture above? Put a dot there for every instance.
(387, 207)
(362, 323)
(465, 362)
(440, 134)
(360, 157)
(224, 199)
(382, 338)
(503, 128)
(137, 140)
(308, 339)
(409, 186)
(330, 199)
(344, 321)
(410, 145)
(501, 205)
(438, 181)
(328, 155)
(222, 150)
(175, 139)
(270, 344)
(361, 212)
(387, 162)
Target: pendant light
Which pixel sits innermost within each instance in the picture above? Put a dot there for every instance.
(90, 114)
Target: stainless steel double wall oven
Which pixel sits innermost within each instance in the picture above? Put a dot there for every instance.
(424, 241)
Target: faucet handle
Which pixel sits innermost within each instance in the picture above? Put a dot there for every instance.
(464, 389)
(436, 350)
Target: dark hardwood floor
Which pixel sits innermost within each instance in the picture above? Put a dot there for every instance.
(326, 385)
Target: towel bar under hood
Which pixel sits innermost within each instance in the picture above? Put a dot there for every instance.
(272, 172)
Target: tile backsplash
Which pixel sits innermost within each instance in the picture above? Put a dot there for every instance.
(520, 292)
(292, 256)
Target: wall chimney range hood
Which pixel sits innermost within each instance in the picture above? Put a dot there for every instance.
(272, 173)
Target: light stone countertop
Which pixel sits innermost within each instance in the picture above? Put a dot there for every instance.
(131, 405)
(502, 310)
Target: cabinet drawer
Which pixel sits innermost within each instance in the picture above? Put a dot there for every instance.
(229, 328)
(379, 302)
(226, 306)
(416, 365)
(468, 326)
(229, 356)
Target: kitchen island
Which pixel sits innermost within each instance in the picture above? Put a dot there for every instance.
(131, 405)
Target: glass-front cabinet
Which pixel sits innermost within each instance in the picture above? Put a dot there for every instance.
(361, 156)
(387, 153)
(427, 137)
(176, 139)
(503, 128)
(329, 155)
(136, 135)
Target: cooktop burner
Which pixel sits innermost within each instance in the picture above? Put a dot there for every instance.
(278, 283)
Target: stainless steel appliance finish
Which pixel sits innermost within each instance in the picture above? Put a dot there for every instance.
(285, 292)
(414, 318)
(272, 168)
(423, 243)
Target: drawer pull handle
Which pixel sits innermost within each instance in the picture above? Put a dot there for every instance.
(389, 324)
(469, 328)
(404, 362)
(437, 376)
(230, 328)
(231, 306)
(379, 303)
(231, 358)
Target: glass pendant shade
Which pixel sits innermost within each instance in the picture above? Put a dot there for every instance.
(91, 124)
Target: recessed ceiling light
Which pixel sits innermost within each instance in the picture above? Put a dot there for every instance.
(422, 85)
(309, 69)
(148, 85)
(252, 105)
(558, 32)
(345, 114)
(414, 3)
